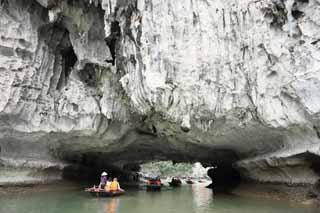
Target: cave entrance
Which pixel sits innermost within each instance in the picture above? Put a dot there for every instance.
(222, 178)
(136, 162)
(86, 167)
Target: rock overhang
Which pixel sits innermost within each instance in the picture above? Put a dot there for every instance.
(175, 88)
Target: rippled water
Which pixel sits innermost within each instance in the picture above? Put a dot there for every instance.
(187, 199)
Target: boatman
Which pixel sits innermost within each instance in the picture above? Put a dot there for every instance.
(103, 180)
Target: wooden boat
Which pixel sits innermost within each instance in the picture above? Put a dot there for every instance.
(153, 184)
(103, 193)
(153, 187)
(175, 182)
(189, 181)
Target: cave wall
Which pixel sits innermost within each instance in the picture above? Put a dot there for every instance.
(140, 80)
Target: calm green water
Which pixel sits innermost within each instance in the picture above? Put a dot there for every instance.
(187, 199)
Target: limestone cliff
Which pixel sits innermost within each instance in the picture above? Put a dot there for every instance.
(214, 81)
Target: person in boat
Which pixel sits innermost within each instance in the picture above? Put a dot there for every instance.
(175, 180)
(108, 184)
(103, 180)
(154, 181)
(115, 186)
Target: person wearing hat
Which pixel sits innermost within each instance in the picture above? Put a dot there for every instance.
(103, 180)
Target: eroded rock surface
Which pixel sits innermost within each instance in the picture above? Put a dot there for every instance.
(189, 80)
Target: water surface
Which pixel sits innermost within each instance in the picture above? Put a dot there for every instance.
(187, 199)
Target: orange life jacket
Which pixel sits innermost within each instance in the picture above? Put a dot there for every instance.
(114, 186)
(107, 187)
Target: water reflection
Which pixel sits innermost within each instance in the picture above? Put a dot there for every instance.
(202, 197)
(112, 205)
(187, 199)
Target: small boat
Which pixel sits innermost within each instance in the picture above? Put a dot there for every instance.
(189, 181)
(153, 184)
(175, 182)
(103, 193)
(153, 187)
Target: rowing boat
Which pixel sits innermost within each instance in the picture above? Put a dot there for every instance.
(103, 193)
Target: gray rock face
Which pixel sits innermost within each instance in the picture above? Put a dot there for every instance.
(137, 80)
